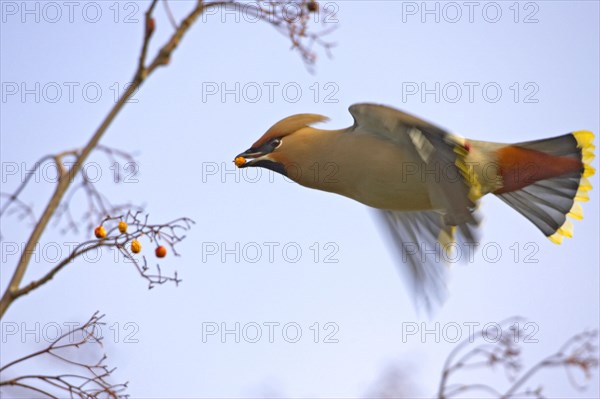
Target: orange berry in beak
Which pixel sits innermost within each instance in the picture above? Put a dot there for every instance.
(239, 161)
(160, 252)
(100, 232)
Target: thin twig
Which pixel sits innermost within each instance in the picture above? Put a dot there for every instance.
(170, 14)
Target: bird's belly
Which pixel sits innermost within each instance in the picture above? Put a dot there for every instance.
(373, 180)
(392, 194)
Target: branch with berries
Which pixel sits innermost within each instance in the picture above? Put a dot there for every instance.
(125, 233)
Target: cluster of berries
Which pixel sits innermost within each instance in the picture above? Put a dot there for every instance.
(136, 247)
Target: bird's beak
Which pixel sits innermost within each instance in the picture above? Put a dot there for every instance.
(251, 157)
(254, 156)
(260, 157)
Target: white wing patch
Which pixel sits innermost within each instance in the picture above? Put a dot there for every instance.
(422, 145)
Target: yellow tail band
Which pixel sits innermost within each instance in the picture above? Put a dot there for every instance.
(585, 141)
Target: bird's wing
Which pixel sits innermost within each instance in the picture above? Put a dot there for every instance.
(422, 243)
(390, 122)
(452, 188)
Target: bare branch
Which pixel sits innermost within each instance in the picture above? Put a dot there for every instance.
(13, 198)
(149, 26)
(579, 353)
(20, 208)
(291, 19)
(89, 381)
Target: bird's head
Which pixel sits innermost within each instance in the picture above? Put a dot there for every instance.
(281, 145)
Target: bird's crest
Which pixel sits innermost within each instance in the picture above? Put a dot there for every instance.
(288, 126)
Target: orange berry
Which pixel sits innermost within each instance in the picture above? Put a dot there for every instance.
(122, 226)
(160, 252)
(100, 232)
(136, 247)
(239, 161)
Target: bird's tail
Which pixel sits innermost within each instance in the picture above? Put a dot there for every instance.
(545, 180)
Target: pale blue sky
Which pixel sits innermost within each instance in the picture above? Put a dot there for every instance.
(182, 133)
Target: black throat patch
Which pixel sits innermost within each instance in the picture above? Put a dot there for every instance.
(271, 165)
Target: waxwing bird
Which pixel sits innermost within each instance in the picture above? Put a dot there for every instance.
(425, 183)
